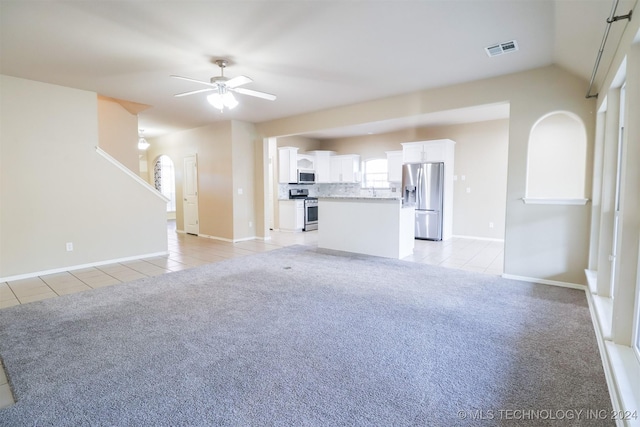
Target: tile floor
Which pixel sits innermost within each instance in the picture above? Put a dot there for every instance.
(186, 251)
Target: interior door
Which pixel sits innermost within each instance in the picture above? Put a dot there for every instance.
(190, 195)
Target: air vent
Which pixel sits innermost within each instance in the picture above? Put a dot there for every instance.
(500, 48)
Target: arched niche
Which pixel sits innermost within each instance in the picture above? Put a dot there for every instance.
(556, 159)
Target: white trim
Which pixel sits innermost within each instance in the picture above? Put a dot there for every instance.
(544, 201)
(206, 236)
(545, 281)
(488, 239)
(592, 280)
(626, 378)
(81, 266)
(603, 307)
(609, 373)
(128, 171)
(224, 239)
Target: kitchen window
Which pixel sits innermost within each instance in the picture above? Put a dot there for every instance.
(375, 172)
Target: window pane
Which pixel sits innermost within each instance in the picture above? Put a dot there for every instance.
(376, 173)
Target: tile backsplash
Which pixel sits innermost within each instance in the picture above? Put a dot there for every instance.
(337, 189)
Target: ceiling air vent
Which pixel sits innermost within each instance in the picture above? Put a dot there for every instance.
(500, 48)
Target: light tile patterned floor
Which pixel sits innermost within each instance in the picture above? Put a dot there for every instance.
(186, 251)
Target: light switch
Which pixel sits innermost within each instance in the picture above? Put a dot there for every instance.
(468, 189)
(240, 191)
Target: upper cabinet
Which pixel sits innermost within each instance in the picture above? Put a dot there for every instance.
(306, 162)
(394, 166)
(327, 166)
(437, 150)
(323, 165)
(345, 168)
(287, 165)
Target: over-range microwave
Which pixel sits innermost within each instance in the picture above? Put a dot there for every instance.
(306, 176)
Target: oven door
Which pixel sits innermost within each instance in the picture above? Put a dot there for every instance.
(311, 216)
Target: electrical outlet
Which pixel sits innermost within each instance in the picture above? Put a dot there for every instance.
(490, 225)
(468, 189)
(240, 191)
(250, 224)
(69, 246)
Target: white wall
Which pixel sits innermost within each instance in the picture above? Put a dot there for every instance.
(55, 187)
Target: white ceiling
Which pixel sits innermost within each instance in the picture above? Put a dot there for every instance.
(313, 55)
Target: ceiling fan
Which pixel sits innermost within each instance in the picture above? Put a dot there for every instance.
(222, 88)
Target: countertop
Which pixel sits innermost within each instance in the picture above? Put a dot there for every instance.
(361, 197)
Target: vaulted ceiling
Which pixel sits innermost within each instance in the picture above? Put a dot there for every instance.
(313, 55)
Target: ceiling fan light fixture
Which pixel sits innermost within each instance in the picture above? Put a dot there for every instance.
(215, 99)
(221, 100)
(229, 100)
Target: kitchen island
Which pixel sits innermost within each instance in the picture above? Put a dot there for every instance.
(378, 226)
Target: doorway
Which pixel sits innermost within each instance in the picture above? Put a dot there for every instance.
(190, 195)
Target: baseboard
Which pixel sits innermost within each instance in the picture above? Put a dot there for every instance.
(545, 282)
(224, 239)
(488, 239)
(81, 266)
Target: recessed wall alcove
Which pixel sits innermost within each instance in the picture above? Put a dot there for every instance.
(556, 160)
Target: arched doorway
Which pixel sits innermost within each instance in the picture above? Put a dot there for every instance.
(164, 180)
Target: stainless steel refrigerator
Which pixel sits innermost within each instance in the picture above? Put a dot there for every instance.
(423, 187)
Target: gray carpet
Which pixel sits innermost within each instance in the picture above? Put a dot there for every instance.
(304, 337)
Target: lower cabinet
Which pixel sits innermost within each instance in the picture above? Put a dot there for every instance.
(291, 215)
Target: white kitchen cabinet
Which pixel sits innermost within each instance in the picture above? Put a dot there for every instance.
(287, 165)
(306, 162)
(323, 165)
(345, 168)
(394, 166)
(291, 215)
(427, 151)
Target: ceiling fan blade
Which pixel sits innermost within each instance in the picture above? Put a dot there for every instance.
(194, 91)
(195, 81)
(238, 81)
(255, 93)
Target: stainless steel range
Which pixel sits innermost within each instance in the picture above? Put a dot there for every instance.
(310, 207)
